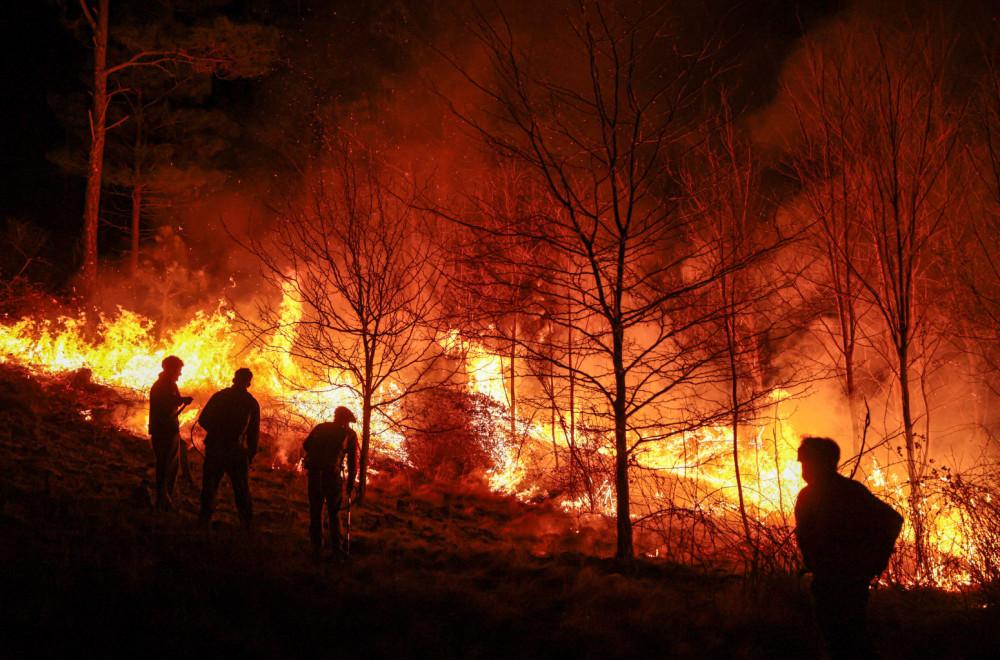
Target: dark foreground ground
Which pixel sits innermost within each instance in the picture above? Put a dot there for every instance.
(88, 569)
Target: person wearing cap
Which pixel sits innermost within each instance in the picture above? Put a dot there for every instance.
(325, 449)
(165, 403)
(846, 536)
(231, 419)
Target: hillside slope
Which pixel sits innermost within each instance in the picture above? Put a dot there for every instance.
(437, 570)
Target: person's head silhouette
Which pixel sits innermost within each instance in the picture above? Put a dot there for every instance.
(243, 377)
(343, 415)
(819, 458)
(172, 366)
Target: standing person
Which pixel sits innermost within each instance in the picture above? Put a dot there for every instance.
(165, 403)
(232, 421)
(325, 449)
(846, 536)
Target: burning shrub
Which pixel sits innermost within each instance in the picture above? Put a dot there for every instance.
(451, 431)
(583, 471)
(974, 500)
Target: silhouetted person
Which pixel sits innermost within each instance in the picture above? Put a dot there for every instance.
(846, 536)
(326, 447)
(232, 421)
(165, 402)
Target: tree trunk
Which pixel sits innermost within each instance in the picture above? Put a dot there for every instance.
(552, 425)
(95, 162)
(626, 551)
(366, 434)
(513, 384)
(572, 392)
(137, 192)
(133, 257)
(912, 469)
(735, 420)
(846, 313)
(574, 454)
(857, 427)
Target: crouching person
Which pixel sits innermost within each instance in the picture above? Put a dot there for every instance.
(231, 419)
(325, 448)
(846, 536)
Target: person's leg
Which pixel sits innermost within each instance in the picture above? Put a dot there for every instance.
(238, 468)
(315, 509)
(184, 462)
(841, 612)
(211, 477)
(862, 646)
(158, 455)
(166, 468)
(170, 475)
(332, 491)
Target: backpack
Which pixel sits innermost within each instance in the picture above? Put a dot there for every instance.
(326, 447)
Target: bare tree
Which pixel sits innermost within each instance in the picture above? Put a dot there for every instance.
(351, 254)
(910, 196)
(977, 302)
(739, 229)
(827, 111)
(602, 132)
(891, 130)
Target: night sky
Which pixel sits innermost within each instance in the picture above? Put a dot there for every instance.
(40, 58)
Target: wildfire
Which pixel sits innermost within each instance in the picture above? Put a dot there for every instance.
(125, 351)
(703, 461)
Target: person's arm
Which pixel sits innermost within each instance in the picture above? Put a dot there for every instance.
(352, 461)
(307, 446)
(253, 429)
(207, 417)
(310, 440)
(885, 524)
(807, 534)
(890, 520)
(177, 401)
(155, 407)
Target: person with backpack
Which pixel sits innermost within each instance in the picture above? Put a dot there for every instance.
(846, 536)
(165, 403)
(325, 449)
(231, 419)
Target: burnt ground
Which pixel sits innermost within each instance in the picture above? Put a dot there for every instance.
(89, 569)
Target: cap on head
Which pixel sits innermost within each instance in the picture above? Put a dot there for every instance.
(242, 377)
(342, 414)
(823, 453)
(171, 362)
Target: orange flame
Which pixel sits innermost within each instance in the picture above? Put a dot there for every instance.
(125, 353)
